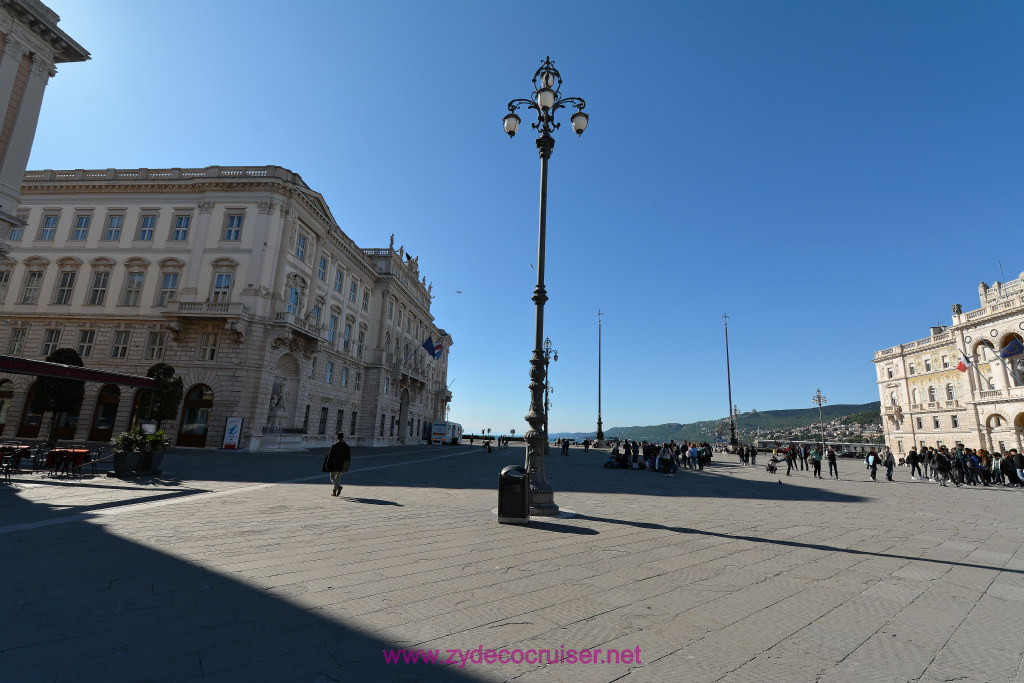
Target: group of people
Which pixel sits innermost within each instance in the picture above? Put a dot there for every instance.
(967, 466)
(803, 458)
(666, 458)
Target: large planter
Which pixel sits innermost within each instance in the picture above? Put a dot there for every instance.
(126, 462)
(149, 463)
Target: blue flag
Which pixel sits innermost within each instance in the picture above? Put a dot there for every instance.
(429, 346)
(1012, 349)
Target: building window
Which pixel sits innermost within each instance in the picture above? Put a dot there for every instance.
(315, 314)
(17, 231)
(927, 365)
(945, 362)
(329, 372)
(208, 346)
(391, 309)
(86, 339)
(81, 230)
(98, 291)
(361, 340)
(48, 228)
(935, 421)
(347, 343)
(391, 431)
(5, 280)
(180, 232)
(387, 341)
(312, 369)
(155, 345)
(147, 223)
(119, 349)
(949, 392)
(997, 421)
(132, 289)
(322, 427)
(300, 247)
(383, 419)
(321, 271)
(387, 385)
(359, 381)
(305, 420)
(920, 423)
(352, 427)
(293, 300)
(366, 301)
(16, 343)
(65, 286)
(51, 342)
(352, 292)
(30, 292)
(344, 378)
(956, 421)
(168, 289)
(233, 227)
(332, 328)
(339, 424)
(399, 321)
(339, 281)
(112, 233)
(221, 287)
(931, 394)
(911, 368)
(914, 400)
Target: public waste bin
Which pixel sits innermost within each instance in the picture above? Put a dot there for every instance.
(514, 495)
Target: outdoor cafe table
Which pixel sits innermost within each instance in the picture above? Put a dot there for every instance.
(58, 455)
(15, 452)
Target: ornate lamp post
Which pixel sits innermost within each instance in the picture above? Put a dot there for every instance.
(545, 100)
(820, 400)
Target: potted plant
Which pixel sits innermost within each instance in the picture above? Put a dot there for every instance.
(136, 450)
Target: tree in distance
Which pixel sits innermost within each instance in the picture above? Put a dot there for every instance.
(169, 390)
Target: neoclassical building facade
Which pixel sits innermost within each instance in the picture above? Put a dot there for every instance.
(238, 277)
(31, 46)
(927, 401)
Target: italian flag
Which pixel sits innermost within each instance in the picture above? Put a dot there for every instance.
(964, 363)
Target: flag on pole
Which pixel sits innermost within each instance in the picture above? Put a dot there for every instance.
(1012, 349)
(433, 349)
(964, 364)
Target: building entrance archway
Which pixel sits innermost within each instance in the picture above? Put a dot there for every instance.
(195, 416)
(107, 402)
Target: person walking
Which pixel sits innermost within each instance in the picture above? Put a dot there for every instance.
(889, 461)
(789, 462)
(915, 464)
(586, 446)
(833, 465)
(873, 464)
(816, 462)
(337, 461)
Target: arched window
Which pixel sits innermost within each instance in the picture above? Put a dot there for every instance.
(949, 392)
(931, 394)
(892, 398)
(914, 397)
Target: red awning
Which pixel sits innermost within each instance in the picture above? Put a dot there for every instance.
(40, 368)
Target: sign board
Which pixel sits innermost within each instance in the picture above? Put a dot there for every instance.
(232, 432)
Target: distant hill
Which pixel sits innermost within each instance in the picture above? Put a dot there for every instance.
(747, 424)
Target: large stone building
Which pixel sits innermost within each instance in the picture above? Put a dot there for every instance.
(240, 279)
(927, 401)
(30, 47)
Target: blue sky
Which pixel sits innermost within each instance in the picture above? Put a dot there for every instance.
(834, 175)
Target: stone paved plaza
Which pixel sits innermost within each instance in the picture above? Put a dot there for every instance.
(241, 566)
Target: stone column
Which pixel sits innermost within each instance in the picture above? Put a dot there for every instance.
(20, 144)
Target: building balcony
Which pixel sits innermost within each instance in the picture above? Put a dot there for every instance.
(205, 310)
(297, 324)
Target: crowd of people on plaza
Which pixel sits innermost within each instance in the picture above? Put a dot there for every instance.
(666, 458)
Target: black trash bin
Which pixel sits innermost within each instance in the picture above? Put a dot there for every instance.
(514, 495)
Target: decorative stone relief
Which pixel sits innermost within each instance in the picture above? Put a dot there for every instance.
(205, 207)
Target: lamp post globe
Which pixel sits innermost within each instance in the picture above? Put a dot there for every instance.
(545, 100)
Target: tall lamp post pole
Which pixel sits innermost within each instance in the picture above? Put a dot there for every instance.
(600, 432)
(545, 100)
(728, 380)
(820, 400)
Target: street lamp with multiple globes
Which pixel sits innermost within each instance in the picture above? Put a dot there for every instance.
(545, 100)
(820, 400)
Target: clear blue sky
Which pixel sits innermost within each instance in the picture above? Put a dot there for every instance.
(834, 175)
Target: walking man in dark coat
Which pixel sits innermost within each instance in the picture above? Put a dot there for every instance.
(337, 462)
